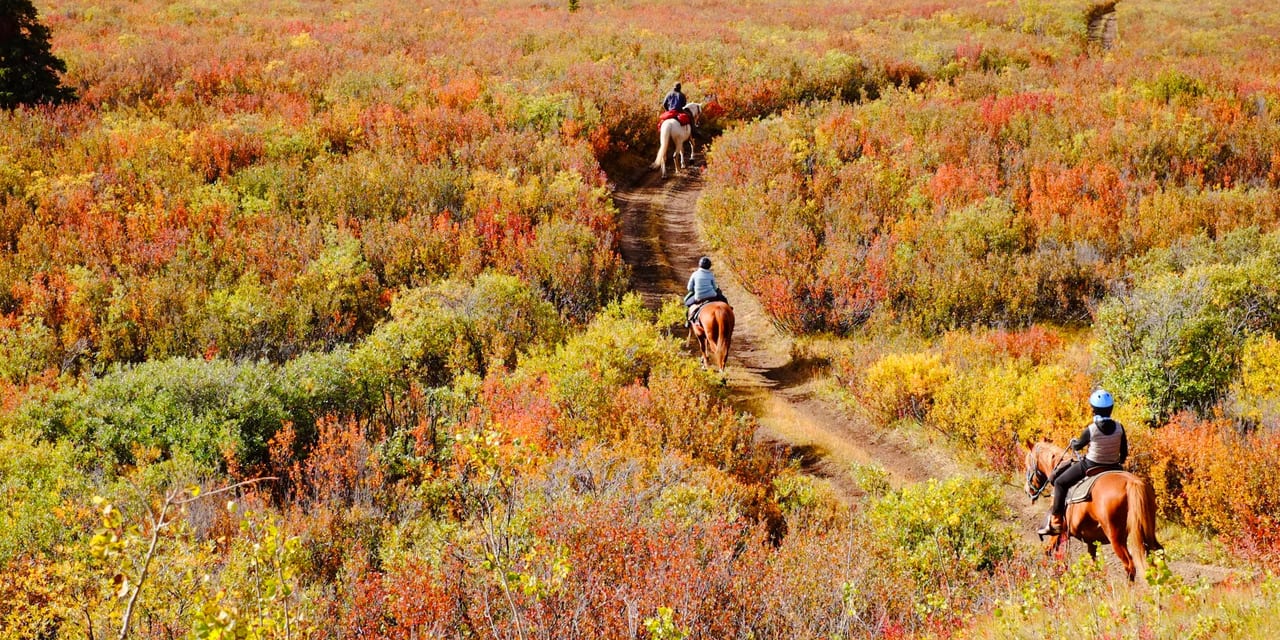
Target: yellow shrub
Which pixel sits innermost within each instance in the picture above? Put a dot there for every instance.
(1256, 393)
(901, 386)
(992, 409)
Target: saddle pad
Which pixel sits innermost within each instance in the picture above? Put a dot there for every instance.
(693, 312)
(1080, 492)
(680, 116)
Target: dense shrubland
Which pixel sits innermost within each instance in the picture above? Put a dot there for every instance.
(367, 252)
(998, 215)
(599, 481)
(973, 206)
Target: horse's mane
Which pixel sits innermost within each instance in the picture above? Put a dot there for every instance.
(1046, 451)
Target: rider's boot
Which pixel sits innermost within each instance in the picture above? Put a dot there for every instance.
(1052, 525)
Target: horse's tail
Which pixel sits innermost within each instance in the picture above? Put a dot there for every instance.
(1141, 520)
(726, 336)
(664, 135)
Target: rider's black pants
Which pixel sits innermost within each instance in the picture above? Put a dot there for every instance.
(1064, 481)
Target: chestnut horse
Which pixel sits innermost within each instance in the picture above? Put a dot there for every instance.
(1122, 510)
(714, 331)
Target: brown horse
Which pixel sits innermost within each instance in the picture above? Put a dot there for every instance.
(1122, 510)
(714, 331)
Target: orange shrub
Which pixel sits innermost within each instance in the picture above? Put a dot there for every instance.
(1214, 478)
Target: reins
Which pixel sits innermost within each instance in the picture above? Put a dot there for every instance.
(1038, 474)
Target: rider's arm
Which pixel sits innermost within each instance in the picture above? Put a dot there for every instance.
(1124, 447)
(690, 287)
(1080, 441)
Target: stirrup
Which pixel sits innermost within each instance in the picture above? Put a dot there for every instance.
(1048, 529)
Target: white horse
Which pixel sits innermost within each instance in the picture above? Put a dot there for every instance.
(673, 136)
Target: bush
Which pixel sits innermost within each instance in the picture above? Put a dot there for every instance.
(1177, 338)
(41, 483)
(451, 328)
(942, 536)
(903, 386)
(991, 410)
(1255, 394)
(1213, 478)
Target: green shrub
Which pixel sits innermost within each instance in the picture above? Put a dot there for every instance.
(942, 535)
(26, 350)
(1175, 340)
(208, 409)
(37, 479)
(214, 411)
(438, 332)
(619, 347)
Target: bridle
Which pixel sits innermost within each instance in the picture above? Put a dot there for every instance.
(1035, 475)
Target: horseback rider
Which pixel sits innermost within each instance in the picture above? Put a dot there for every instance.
(702, 287)
(675, 100)
(676, 103)
(1108, 447)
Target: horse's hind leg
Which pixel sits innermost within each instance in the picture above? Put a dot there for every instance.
(1122, 552)
(1093, 550)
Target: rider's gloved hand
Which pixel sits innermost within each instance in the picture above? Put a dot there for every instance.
(1074, 444)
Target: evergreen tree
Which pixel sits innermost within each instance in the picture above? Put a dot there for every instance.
(28, 69)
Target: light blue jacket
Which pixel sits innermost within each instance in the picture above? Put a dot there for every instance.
(703, 284)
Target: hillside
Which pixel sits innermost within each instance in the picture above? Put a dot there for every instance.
(358, 320)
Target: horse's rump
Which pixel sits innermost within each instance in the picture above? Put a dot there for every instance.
(714, 329)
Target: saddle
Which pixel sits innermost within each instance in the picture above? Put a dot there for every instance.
(1081, 491)
(681, 116)
(693, 312)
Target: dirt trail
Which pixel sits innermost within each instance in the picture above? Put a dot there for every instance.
(661, 241)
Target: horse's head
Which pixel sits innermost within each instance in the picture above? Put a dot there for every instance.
(695, 109)
(1037, 469)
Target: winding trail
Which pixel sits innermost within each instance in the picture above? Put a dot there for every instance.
(662, 241)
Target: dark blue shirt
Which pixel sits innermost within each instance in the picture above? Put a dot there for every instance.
(674, 101)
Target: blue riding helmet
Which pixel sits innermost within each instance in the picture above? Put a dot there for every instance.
(1102, 402)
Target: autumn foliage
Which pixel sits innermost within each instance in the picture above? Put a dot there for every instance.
(313, 320)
